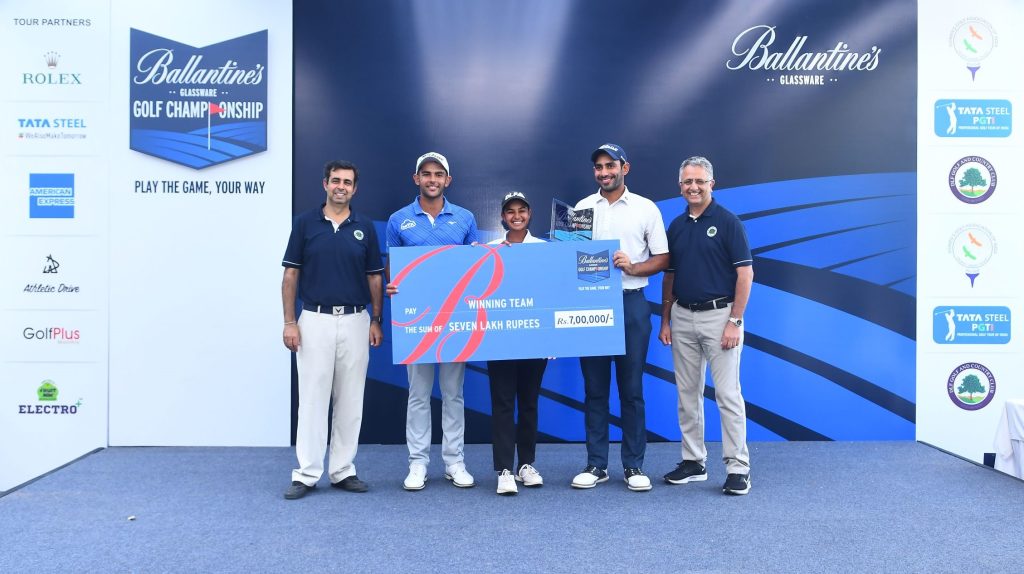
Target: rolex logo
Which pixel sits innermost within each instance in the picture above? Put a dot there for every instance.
(52, 58)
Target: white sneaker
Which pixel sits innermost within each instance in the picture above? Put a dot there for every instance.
(590, 477)
(459, 476)
(529, 476)
(417, 478)
(507, 484)
(636, 480)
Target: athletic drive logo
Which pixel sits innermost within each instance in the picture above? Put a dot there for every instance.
(972, 179)
(593, 267)
(51, 195)
(973, 39)
(198, 107)
(971, 325)
(972, 246)
(971, 386)
(47, 394)
(973, 118)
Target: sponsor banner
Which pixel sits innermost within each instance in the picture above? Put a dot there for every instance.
(971, 325)
(967, 118)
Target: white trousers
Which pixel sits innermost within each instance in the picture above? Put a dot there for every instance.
(453, 414)
(697, 341)
(334, 352)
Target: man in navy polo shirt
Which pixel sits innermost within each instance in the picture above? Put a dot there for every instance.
(702, 319)
(432, 220)
(636, 222)
(333, 261)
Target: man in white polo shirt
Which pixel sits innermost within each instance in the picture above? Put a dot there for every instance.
(643, 251)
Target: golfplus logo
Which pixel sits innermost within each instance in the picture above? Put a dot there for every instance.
(973, 39)
(972, 179)
(972, 247)
(971, 386)
(60, 335)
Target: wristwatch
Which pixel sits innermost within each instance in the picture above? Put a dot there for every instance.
(379, 320)
(738, 321)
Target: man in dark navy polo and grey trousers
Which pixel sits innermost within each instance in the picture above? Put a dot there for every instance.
(636, 222)
(333, 262)
(704, 294)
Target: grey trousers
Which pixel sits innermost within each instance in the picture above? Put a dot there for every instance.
(696, 341)
(453, 415)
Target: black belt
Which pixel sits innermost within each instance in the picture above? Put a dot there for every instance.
(637, 290)
(720, 303)
(334, 309)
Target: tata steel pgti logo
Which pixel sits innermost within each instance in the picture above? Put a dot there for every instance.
(971, 386)
(593, 267)
(972, 179)
(973, 118)
(971, 325)
(972, 247)
(973, 39)
(198, 107)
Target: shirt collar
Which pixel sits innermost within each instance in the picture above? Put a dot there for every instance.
(419, 210)
(624, 198)
(352, 215)
(711, 209)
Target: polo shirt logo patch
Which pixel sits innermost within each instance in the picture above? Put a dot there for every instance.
(712, 231)
(408, 224)
(358, 234)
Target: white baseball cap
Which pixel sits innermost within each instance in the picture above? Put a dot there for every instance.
(435, 157)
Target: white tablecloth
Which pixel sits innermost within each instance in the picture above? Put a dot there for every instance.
(1009, 443)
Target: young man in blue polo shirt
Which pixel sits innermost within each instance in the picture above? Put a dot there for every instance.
(333, 262)
(702, 319)
(636, 222)
(432, 220)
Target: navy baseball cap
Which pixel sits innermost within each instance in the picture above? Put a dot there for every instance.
(512, 196)
(616, 152)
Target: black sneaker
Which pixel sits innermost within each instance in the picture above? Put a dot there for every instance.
(590, 477)
(736, 484)
(687, 471)
(297, 490)
(351, 484)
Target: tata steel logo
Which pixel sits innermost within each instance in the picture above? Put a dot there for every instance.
(973, 118)
(971, 325)
(51, 128)
(973, 39)
(972, 247)
(971, 386)
(51, 77)
(972, 179)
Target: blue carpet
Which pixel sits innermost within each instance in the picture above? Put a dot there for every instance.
(814, 507)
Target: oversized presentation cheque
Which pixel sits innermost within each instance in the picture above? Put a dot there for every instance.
(526, 300)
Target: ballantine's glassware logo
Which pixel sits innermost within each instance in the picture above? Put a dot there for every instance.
(593, 267)
(973, 40)
(198, 107)
(752, 51)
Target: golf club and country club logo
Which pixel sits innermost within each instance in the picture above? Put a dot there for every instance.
(972, 247)
(198, 107)
(973, 39)
(972, 179)
(971, 386)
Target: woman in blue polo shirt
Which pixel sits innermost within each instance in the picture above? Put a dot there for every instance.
(516, 380)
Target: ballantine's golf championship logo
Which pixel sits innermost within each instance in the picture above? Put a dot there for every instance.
(972, 179)
(973, 40)
(973, 118)
(198, 107)
(964, 325)
(754, 49)
(972, 246)
(593, 267)
(971, 386)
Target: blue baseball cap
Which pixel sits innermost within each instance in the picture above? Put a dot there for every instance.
(616, 152)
